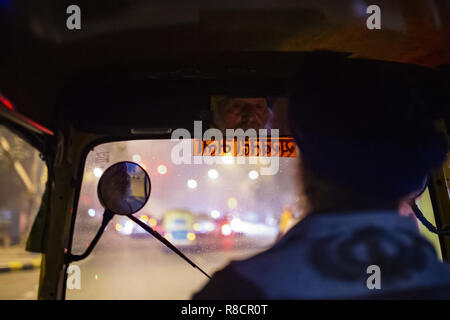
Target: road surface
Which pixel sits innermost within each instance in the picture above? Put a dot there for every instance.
(129, 268)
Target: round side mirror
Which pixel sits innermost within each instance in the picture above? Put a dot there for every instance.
(124, 188)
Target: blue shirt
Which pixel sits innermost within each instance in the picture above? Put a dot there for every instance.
(327, 255)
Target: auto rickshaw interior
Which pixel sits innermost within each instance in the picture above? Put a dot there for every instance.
(123, 118)
(88, 103)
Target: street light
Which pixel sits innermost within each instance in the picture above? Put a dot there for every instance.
(137, 158)
(213, 174)
(162, 169)
(253, 174)
(192, 184)
(215, 214)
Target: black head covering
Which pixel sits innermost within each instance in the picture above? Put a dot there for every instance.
(367, 124)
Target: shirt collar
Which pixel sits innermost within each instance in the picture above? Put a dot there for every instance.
(317, 225)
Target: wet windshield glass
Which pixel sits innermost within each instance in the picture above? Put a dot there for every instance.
(213, 213)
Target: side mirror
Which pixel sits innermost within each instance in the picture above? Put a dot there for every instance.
(124, 188)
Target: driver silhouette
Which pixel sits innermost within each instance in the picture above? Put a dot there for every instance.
(367, 139)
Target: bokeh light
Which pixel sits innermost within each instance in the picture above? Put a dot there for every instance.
(213, 174)
(192, 184)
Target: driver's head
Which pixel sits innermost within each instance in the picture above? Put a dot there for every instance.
(366, 130)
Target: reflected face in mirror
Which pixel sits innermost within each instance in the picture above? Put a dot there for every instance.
(242, 113)
(124, 188)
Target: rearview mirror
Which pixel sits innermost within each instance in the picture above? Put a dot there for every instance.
(124, 188)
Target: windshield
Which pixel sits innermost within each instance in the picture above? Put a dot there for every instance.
(213, 213)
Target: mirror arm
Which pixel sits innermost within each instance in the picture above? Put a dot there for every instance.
(165, 242)
(107, 216)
